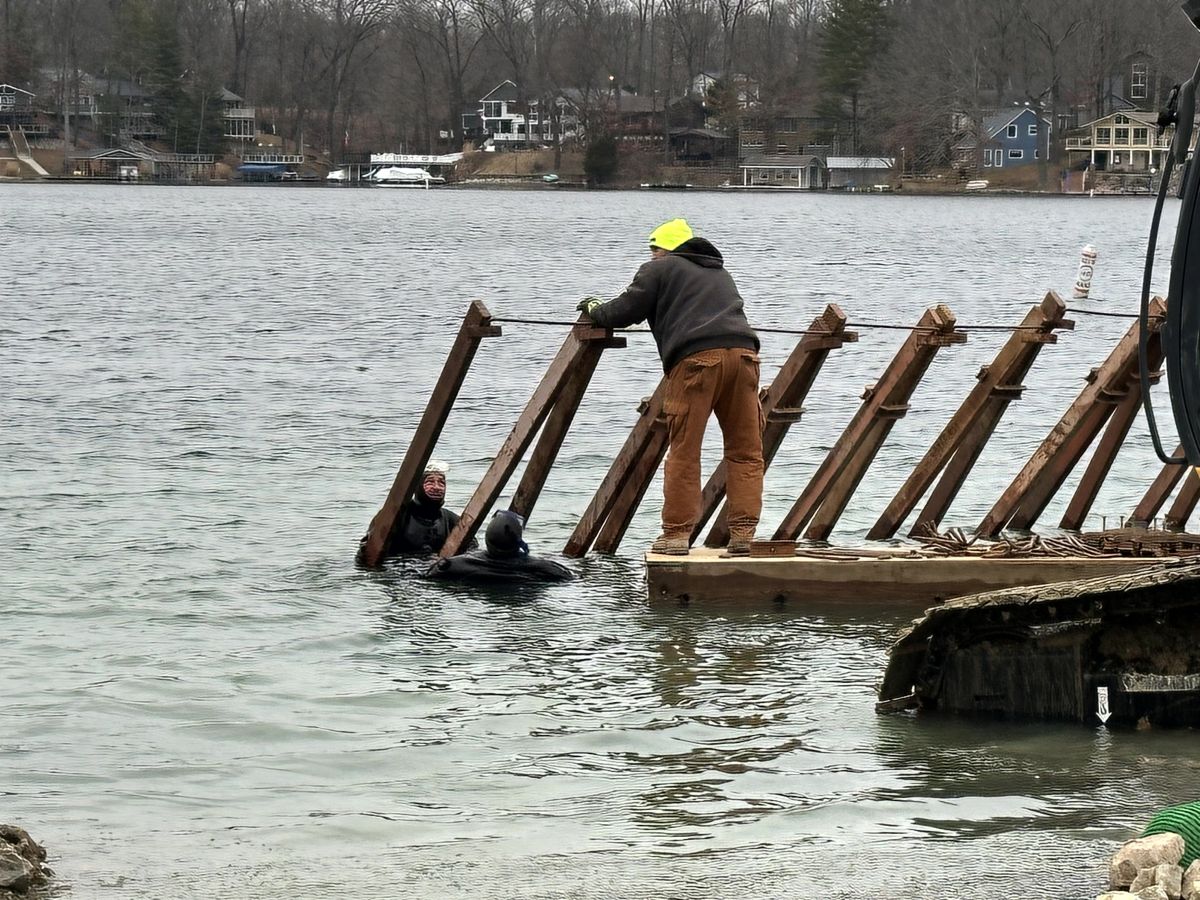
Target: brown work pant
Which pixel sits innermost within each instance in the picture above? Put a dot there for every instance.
(725, 382)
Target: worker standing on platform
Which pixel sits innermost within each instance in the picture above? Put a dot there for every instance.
(710, 355)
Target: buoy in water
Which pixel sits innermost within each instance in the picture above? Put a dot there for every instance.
(1087, 267)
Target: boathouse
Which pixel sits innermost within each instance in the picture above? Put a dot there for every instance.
(798, 172)
(859, 172)
(117, 163)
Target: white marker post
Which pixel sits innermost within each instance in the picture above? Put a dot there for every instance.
(1102, 711)
(1087, 267)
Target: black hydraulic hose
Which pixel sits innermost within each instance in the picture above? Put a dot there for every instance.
(1144, 317)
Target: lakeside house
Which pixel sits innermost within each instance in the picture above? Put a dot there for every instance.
(1121, 143)
(1014, 138)
(790, 132)
(505, 121)
(745, 88)
(16, 106)
(237, 117)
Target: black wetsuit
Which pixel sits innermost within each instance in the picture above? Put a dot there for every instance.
(423, 528)
(484, 567)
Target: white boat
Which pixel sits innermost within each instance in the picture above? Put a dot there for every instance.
(400, 176)
(978, 184)
(336, 175)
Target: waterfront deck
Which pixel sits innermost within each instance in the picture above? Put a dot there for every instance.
(902, 578)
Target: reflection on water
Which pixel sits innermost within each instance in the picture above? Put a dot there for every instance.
(203, 695)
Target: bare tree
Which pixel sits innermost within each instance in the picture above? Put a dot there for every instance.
(246, 19)
(447, 27)
(731, 13)
(1053, 23)
(693, 27)
(349, 26)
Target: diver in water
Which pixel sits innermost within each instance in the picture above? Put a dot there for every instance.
(424, 525)
(505, 559)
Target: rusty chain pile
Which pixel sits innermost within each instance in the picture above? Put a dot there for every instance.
(1094, 545)
(957, 542)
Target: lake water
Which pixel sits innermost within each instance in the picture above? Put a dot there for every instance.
(205, 394)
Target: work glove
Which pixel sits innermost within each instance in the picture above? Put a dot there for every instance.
(589, 304)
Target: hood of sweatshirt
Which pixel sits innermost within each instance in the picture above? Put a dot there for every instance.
(701, 252)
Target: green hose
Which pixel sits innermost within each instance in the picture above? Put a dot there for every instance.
(1183, 820)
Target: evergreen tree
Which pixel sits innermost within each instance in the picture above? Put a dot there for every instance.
(600, 160)
(855, 38)
(722, 98)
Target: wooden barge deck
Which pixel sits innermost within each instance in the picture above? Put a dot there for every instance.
(903, 578)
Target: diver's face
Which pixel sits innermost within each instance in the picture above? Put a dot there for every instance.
(434, 486)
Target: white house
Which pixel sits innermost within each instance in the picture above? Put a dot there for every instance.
(1123, 142)
(237, 117)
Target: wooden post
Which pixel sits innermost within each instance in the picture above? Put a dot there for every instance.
(885, 399)
(619, 474)
(781, 409)
(1056, 469)
(476, 325)
(1159, 491)
(572, 354)
(555, 430)
(1176, 518)
(864, 453)
(635, 488)
(1114, 435)
(998, 385)
(1035, 484)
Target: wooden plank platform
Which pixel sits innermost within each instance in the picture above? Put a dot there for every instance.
(904, 578)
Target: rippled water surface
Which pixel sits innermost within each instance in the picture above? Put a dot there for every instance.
(205, 394)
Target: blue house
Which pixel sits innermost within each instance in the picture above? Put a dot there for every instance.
(1019, 137)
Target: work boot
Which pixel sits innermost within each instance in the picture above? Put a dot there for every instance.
(669, 546)
(739, 544)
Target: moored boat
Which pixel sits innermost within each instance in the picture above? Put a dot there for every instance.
(402, 176)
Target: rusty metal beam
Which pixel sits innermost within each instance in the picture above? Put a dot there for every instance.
(476, 325)
(572, 353)
(997, 385)
(1030, 491)
(865, 451)
(1114, 436)
(935, 329)
(1177, 516)
(619, 474)
(1165, 482)
(781, 409)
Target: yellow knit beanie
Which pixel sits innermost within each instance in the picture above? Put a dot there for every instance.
(671, 234)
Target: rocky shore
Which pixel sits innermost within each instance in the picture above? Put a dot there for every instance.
(23, 868)
(1148, 868)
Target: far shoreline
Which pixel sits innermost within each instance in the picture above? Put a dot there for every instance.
(545, 188)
